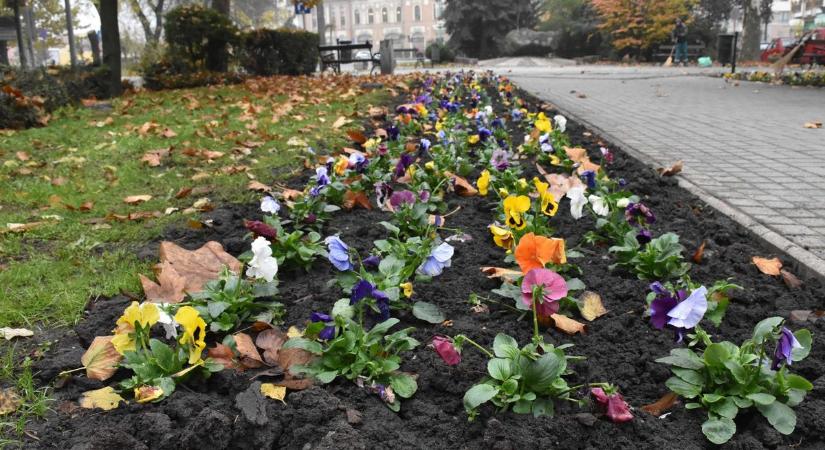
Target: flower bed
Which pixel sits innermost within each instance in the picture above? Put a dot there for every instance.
(415, 389)
(796, 78)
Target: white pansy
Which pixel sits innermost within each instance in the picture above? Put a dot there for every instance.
(270, 205)
(577, 201)
(561, 122)
(623, 202)
(168, 322)
(262, 265)
(600, 206)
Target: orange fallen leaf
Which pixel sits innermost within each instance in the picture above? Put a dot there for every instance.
(462, 186)
(508, 275)
(256, 185)
(223, 354)
(154, 157)
(568, 325)
(576, 154)
(170, 288)
(249, 356)
(59, 181)
(357, 136)
(790, 279)
(340, 122)
(697, 256)
(672, 170)
(101, 359)
(591, 306)
(199, 266)
(168, 133)
(22, 156)
(183, 192)
(353, 199)
(813, 125)
(291, 194)
(135, 199)
(768, 266)
(659, 407)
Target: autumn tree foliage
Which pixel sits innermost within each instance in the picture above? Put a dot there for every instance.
(636, 25)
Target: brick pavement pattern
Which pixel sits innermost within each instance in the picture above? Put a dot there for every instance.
(743, 144)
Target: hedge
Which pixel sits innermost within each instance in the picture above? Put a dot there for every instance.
(279, 52)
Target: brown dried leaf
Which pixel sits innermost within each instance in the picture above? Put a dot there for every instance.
(249, 356)
(462, 186)
(568, 325)
(353, 199)
(199, 266)
(790, 279)
(168, 133)
(590, 306)
(660, 406)
(700, 252)
(105, 399)
(508, 275)
(767, 266)
(340, 122)
(9, 401)
(183, 192)
(357, 136)
(170, 288)
(672, 170)
(813, 125)
(223, 354)
(135, 199)
(271, 341)
(576, 154)
(101, 359)
(288, 357)
(11, 333)
(256, 185)
(22, 156)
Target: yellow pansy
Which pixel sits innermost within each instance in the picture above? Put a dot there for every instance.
(341, 165)
(549, 205)
(145, 314)
(194, 332)
(514, 207)
(473, 139)
(522, 184)
(502, 237)
(407, 288)
(372, 143)
(541, 186)
(430, 165)
(503, 192)
(554, 160)
(411, 171)
(124, 342)
(483, 182)
(439, 125)
(422, 110)
(543, 124)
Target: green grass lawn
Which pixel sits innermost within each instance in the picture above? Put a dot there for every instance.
(92, 156)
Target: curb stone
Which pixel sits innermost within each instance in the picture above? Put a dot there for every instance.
(806, 263)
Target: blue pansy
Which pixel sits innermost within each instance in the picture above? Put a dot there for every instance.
(338, 253)
(439, 258)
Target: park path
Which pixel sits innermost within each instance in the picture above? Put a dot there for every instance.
(745, 149)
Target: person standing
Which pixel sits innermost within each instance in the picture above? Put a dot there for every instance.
(679, 36)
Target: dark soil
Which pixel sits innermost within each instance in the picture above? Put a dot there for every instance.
(227, 411)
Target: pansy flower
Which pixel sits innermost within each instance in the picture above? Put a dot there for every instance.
(259, 228)
(549, 205)
(364, 289)
(270, 205)
(321, 180)
(553, 287)
(446, 350)
(500, 160)
(371, 261)
(338, 253)
(383, 191)
(676, 311)
(636, 213)
(263, 265)
(439, 258)
(607, 155)
(784, 348)
(483, 182)
(407, 289)
(403, 162)
(644, 236)
(401, 198)
(534, 252)
(577, 201)
(424, 146)
(358, 161)
(194, 332)
(543, 124)
(561, 122)
(502, 237)
(514, 208)
(545, 143)
(484, 134)
(341, 165)
(600, 207)
(589, 178)
(328, 332)
(473, 139)
(141, 314)
(615, 407)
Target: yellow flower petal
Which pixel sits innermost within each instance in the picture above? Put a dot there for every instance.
(194, 332)
(483, 182)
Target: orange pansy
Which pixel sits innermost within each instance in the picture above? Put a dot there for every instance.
(534, 252)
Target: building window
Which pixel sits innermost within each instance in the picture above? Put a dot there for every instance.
(417, 13)
(370, 16)
(398, 14)
(343, 17)
(384, 16)
(357, 17)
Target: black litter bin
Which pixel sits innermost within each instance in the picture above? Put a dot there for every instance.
(346, 55)
(726, 48)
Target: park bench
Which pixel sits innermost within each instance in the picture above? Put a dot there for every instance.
(345, 53)
(694, 51)
(412, 53)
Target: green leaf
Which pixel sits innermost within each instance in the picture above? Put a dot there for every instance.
(742, 402)
(342, 308)
(216, 308)
(691, 376)
(715, 355)
(164, 356)
(390, 266)
(682, 357)
(381, 329)
(737, 371)
(499, 368)
(479, 394)
(305, 344)
(522, 407)
(539, 375)
(693, 405)
(712, 398)
(265, 289)
(683, 388)
(804, 338)
(719, 431)
(761, 399)
(782, 417)
(725, 408)
(797, 382)
(575, 284)
(390, 227)
(428, 312)
(403, 384)
(543, 407)
(764, 328)
(326, 377)
(505, 346)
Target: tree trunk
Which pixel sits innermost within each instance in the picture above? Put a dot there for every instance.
(751, 30)
(322, 23)
(158, 21)
(94, 47)
(4, 53)
(217, 59)
(110, 32)
(18, 28)
(30, 31)
(70, 31)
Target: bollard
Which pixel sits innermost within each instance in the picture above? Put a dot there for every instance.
(387, 58)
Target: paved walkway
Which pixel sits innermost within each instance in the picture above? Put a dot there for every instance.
(744, 147)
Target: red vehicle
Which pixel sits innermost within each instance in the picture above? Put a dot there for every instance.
(812, 50)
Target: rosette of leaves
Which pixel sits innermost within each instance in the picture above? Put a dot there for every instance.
(725, 378)
(298, 248)
(230, 300)
(524, 379)
(360, 355)
(659, 259)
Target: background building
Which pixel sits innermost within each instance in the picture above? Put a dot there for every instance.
(409, 23)
(780, 25)
(807, 14)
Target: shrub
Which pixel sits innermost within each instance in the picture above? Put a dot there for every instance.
(279, 52)
(445, 53)
(201, 36)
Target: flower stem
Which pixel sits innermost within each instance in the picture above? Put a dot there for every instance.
(478, 346)
(536, 293)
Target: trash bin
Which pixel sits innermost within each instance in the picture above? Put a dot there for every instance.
(725, 48)
(345, 55)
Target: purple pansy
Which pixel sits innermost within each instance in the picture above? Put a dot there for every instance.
(635, 213)
(687, 313)
(401, 198)
(500, 160)
(424, 196)
(358, 161)
(338, 253)
(371, 261)
(383, 191)
(607, 155)
(439, 258)
(784, 348)
(405, 161)
(484, 134)
(321, 180)
(393, 132)
(663, 303)
(329, 331)
(364, 289)
(589, 178)
(644, 236)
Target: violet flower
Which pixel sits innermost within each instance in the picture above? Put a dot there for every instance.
(635, 213)
(446, 350)
(329, 331)
(439, 258)
(371, 261)
(321, 180)
(500, 160)
(401, 198)
(644, 236)
(383, 191)
(424, 196)
(663, 303)
(423, 146)
(338, 253)
(615, 407)
(405, 161)
(484, 134)
(261, 229)
(784, 348)
(270, 205)
(589, 178)
(364, 289)
(393, 132)
(358, 161)
(607, 155)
